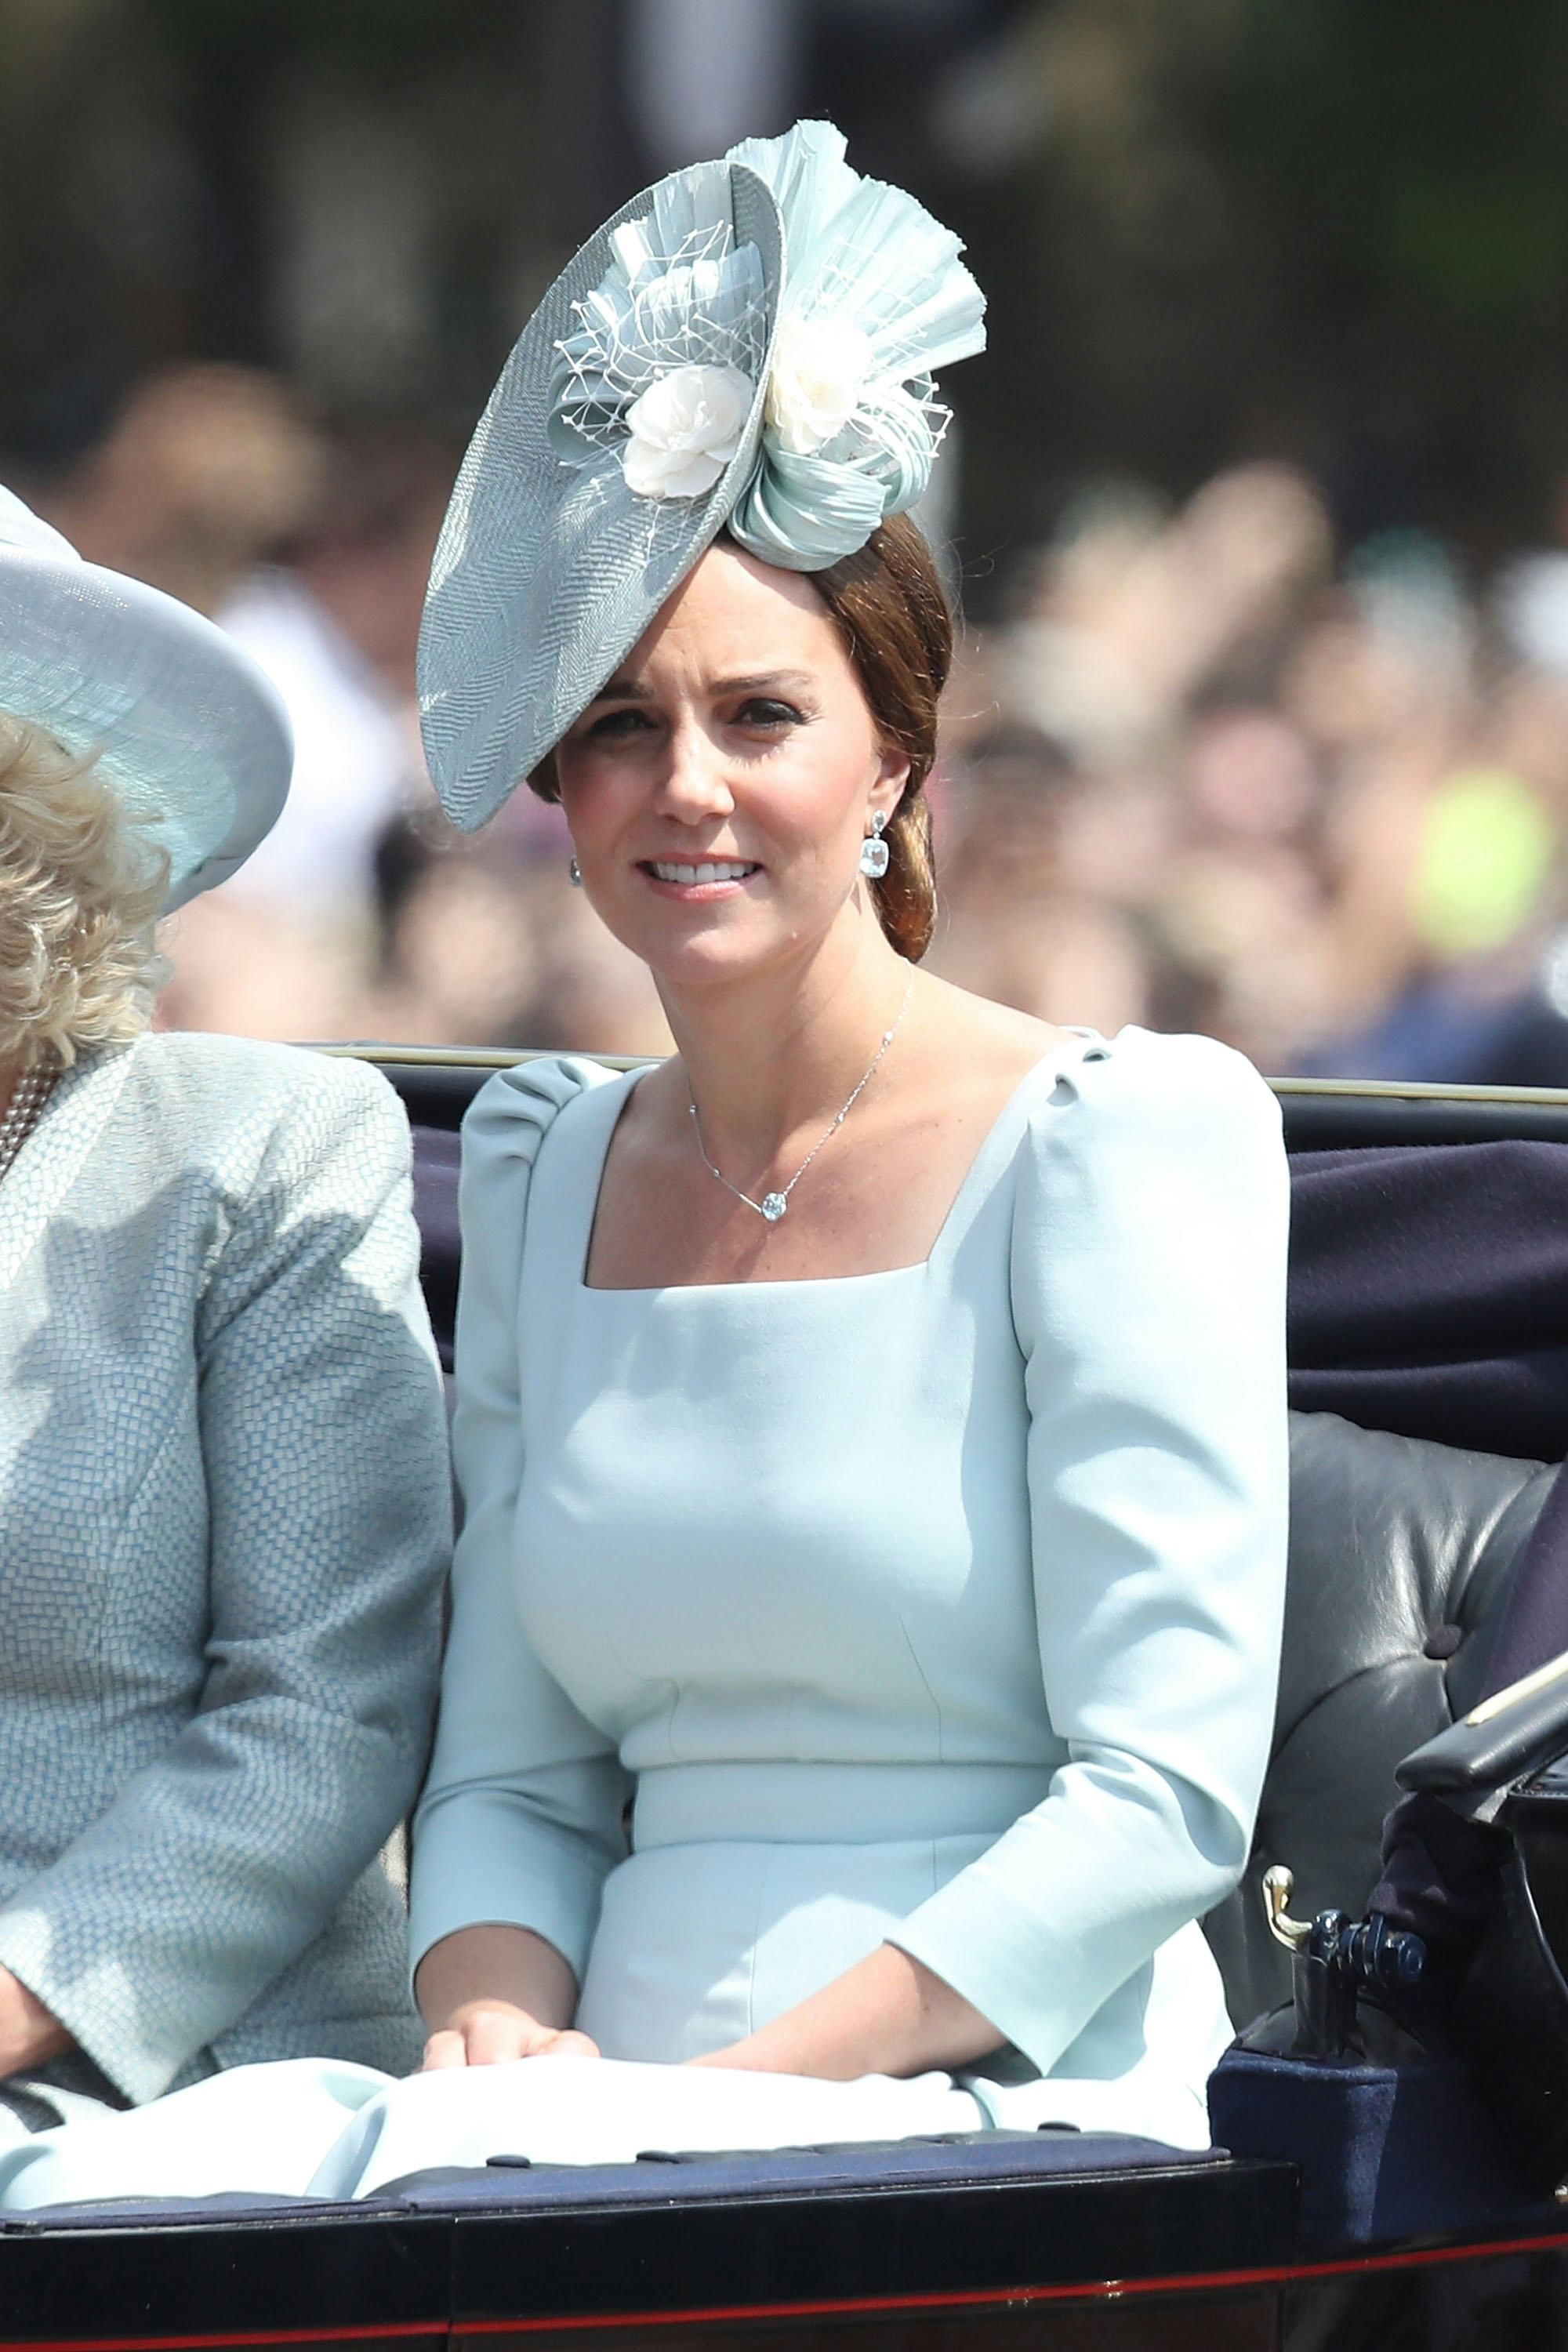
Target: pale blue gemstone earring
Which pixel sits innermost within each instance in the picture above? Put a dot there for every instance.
(874, 850)
(576, 872)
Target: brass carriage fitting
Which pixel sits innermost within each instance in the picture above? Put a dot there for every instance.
(1278, 1885)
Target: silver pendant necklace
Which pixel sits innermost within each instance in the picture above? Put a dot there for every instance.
(23, 1112)
(773, 1205)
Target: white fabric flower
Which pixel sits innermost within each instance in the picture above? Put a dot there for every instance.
(819, 371)
(684, 430)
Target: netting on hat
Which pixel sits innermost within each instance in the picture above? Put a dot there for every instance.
(681, 294)
(549, 568)
(874, 297)
(870, 271)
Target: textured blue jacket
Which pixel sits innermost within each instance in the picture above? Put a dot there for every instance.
(223, 1523)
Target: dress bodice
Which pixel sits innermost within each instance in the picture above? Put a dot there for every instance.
(783, 1523)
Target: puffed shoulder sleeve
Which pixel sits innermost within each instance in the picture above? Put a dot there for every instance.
(1148, 1278)
(520, 1818)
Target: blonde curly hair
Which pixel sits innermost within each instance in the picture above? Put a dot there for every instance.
(80, 889)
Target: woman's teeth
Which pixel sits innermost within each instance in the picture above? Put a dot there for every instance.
(689, 874)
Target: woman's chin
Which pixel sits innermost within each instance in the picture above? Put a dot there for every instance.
(716, 955)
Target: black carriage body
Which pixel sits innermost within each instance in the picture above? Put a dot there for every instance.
(1203, 2258)
(1004, 2240)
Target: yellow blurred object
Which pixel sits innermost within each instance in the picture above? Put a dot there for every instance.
(1487, 850)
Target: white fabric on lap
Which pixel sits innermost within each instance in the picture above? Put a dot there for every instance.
(608, 2111)
(309, 2127)
(260, 2130)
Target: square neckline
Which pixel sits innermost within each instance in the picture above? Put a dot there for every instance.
(1093, 1045)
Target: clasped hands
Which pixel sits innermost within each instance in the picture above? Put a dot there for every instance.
(493, 1994)
(492, 2032)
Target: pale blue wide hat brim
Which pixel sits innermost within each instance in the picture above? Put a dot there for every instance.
(187, 731)
(547, 573)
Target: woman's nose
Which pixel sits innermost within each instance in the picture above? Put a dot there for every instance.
(693, 784)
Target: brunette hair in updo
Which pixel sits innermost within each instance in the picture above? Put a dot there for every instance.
(888, 605)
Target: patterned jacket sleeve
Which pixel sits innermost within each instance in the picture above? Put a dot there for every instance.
(324, 1446)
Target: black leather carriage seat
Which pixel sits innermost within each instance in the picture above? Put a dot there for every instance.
(1401, 1553)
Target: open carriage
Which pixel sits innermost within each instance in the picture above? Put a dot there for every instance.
(1360, 2201)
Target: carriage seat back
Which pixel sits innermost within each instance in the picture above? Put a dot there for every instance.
(1402, 1554)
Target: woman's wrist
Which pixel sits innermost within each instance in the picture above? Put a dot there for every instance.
(889, 2014)
(499, 1967)
(29, 2033)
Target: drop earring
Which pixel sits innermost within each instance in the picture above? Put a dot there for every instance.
(874, 850)
(575, 874)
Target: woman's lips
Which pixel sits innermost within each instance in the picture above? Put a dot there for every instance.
(704, 878)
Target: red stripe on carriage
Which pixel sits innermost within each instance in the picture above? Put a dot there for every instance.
(968, 2299)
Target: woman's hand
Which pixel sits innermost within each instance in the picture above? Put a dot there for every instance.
(490, 2032)
(491, 1994)
(29, 2033)
(888, 2015)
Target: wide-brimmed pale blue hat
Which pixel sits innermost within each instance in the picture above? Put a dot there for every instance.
(186, 730)
(749, 345)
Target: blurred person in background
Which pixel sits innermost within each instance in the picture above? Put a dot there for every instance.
(1319, 807)
(1018, 925)
(204, 471)
(482, 947)
(335, 628)
(203, 479)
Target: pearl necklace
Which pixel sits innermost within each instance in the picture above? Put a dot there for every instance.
(23, 1112)
(773, 1205)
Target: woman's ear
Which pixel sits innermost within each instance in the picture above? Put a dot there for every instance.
(891, 778)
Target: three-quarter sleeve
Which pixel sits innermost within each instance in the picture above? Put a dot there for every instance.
(1148, 1282)
(522, 1817)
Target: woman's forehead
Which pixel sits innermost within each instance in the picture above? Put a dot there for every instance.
(734, 614)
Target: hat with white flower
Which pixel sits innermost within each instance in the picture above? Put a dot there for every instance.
(747, 346)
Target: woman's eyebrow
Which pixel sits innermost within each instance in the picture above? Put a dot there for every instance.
(795, 678)
(625, 689)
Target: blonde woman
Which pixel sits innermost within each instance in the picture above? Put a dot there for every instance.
(222, 1445)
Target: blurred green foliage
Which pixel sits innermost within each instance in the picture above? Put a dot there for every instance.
(1333, 229)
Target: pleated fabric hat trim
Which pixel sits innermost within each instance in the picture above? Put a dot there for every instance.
(546, 573)
(186, 731)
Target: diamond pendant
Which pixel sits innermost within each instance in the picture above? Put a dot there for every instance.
(773, 1206)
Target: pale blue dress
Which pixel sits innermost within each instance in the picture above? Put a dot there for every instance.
(938, 1606)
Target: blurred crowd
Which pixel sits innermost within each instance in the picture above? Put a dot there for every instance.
(1205, 769)
(1219, 773)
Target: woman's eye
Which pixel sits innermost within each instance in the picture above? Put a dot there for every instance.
(765, 711)
(629, 722)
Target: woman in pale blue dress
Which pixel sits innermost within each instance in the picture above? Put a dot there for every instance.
(911, 1561)
(870, 1420)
